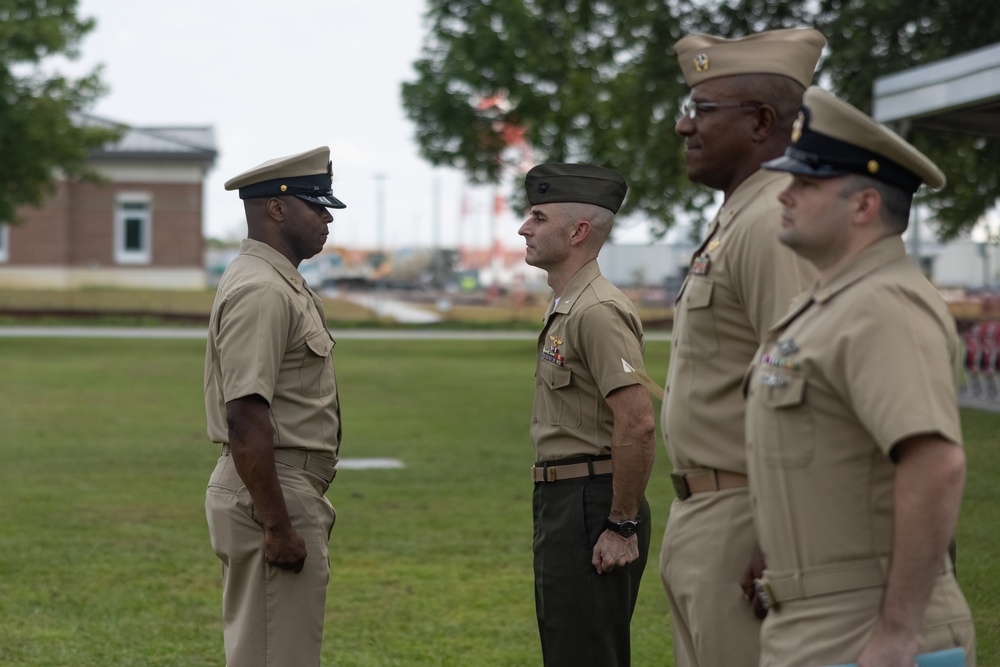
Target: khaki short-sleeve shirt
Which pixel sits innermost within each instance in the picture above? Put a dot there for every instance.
(741, 280)
(267, 336)
(591, 345)
(856, 366)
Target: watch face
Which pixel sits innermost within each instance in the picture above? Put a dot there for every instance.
(627, 528)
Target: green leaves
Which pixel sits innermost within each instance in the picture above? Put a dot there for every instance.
(577, 80)
(38, 136)
(597, 81)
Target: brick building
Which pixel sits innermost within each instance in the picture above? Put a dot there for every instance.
(142, 227)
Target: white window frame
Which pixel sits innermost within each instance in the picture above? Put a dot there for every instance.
(4, 243)
(143, 255)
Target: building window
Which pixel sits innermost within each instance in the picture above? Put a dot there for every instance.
(133, 228)
(4, 243)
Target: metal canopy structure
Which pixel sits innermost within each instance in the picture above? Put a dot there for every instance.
(959, 94)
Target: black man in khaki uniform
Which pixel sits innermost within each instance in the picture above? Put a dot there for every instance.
(271, 400)
(745, 94)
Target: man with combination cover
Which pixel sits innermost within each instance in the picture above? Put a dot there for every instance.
(853, 434)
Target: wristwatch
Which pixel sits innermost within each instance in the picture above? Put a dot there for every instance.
(624, 528)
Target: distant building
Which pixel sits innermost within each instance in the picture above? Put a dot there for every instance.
(644, 265)
(141, 228)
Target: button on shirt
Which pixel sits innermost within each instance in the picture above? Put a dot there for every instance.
(855, 367)
(591, 345)
(268, 336)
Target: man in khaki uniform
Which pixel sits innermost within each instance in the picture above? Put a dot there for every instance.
(745, 94)
(854, 440)
(271, 400)
(592, 425)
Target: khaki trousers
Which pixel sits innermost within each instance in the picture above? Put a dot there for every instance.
(271, 617)
(708, 542)
(832, 629)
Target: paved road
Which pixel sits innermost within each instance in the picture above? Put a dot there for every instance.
(397, 310)
(342, 334)
(197, 333)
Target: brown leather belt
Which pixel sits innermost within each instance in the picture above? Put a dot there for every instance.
(553, 472)
(700, 480)
(324, 467)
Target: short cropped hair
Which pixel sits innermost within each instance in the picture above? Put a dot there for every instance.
(896, 202)
(780, 92)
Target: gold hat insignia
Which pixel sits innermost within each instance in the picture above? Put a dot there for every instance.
(701, 63)
(873, 166)
(284, 187)
(800, 120)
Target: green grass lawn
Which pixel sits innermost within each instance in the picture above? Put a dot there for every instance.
(104, 552)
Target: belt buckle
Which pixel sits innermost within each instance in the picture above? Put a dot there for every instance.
(680, 482)
(765, 594)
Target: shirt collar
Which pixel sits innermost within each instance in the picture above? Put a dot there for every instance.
(576, 285)
(746, 192)
(867, 261)
(871, 258)
(278, 261)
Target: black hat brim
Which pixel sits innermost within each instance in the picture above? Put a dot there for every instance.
(328, 201)
(795, 166)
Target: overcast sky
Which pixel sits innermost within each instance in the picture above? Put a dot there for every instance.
(275, 78)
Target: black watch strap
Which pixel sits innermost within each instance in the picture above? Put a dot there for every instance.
(625, 528)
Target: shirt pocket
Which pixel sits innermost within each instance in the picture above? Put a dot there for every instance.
(562, 400)
(785, 435)
(701, 340)
(316, 372)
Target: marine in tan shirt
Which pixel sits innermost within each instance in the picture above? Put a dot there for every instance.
(745, 94)
(271, 402)
(592, 426)
(855, 445)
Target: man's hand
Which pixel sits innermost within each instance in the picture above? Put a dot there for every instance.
(284, 548)
(889, 650)
(754, 570)
(612, 550)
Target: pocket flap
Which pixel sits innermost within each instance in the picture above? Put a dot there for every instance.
(556, 377)
(699, 293)
(320, 343)
(781, 388)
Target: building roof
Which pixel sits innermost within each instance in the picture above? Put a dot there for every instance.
(961, 94)
(185, 143)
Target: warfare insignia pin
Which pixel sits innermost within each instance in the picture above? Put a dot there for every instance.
(701, 63)
(713, 244)
(773, 380)
(787, 347)
(551, 353)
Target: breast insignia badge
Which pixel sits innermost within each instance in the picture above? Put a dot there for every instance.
(701, 265)
(551, 353)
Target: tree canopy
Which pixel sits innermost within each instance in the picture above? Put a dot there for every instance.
(38, 138)
(597, 81)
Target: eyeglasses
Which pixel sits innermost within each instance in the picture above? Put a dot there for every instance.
(691, 109)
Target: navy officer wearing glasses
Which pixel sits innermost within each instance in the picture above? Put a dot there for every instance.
(745, 94)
